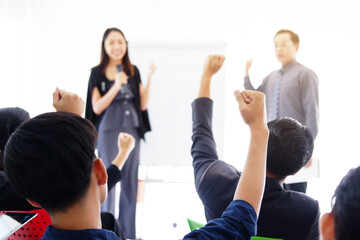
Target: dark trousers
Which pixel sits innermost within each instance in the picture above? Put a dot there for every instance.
(298, 187)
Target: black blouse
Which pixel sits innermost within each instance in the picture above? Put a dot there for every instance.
(99, 80)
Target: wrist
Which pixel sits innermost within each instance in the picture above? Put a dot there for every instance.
(124, 152)
(207, 75)
(259, 130)
(116, 87)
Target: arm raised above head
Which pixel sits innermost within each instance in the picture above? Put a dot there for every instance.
(212, 65)
(251, 184)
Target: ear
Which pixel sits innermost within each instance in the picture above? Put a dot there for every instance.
(100, 171)
(327, 228)
(33, 203)
(297, 47)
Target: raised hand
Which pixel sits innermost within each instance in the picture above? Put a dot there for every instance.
(248, 66)
(213, 64)
(68, 102)
(252, 107)
(126, 142)
(152, 69)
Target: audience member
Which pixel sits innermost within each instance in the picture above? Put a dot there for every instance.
(283, 214)
(11, 118)
(343, 222)
(50, 161)
(239, 219)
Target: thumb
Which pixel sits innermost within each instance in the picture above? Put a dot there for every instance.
(56, 96)
(240, 99)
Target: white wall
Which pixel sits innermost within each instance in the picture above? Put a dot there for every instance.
(44, 44)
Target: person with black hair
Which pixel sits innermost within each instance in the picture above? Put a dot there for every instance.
(284, 214)
(12, 118)
(50, 161)
(117, 102)
(343, 222)
(238, 221)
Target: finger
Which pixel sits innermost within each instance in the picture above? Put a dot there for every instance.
(222, 59)
(247, 97)
(56, 95)
(239, 98)
(63, 93)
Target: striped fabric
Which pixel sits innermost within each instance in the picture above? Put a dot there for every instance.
(274, 110)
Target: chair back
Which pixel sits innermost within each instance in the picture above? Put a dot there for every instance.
(34, 229)
(264, 238)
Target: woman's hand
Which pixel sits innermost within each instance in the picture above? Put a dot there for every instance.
(152, 69)
(120, 79)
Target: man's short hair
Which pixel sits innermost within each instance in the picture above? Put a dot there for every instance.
(346, 207)
(49, 159)
(293, 36)
(290, 147)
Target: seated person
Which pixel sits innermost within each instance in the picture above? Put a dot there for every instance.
(343, 222)
(11, 118)
(284, 214)
(239, 219)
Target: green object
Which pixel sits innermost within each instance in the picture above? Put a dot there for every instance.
(264, 238)
(194, 225)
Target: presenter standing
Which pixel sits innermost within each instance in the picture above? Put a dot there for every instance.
(291, 91)
(117, 102)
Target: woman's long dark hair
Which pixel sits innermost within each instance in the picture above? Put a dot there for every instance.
(104, 60)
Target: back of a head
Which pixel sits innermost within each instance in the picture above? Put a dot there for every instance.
(290, 147)
(10, 120)
(49, 159)
(346, 208)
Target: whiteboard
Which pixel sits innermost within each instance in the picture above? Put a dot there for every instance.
(174, 87)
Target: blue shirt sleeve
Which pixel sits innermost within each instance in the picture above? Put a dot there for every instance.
(237, 222)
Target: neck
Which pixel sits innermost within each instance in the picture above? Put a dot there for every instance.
(288, 62)
(83, 215)
(113, 63)
(270, 175)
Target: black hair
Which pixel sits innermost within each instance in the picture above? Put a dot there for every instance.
(10, 119)
(290, 147)
(104, 58)
(49, 159)
(346, 207)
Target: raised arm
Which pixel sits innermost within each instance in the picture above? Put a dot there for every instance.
(212, 65)
(247, 67)
(145, 91)
(247, 84)
(203, 149)
(251, 185)
(238, 221)
(126, 144)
